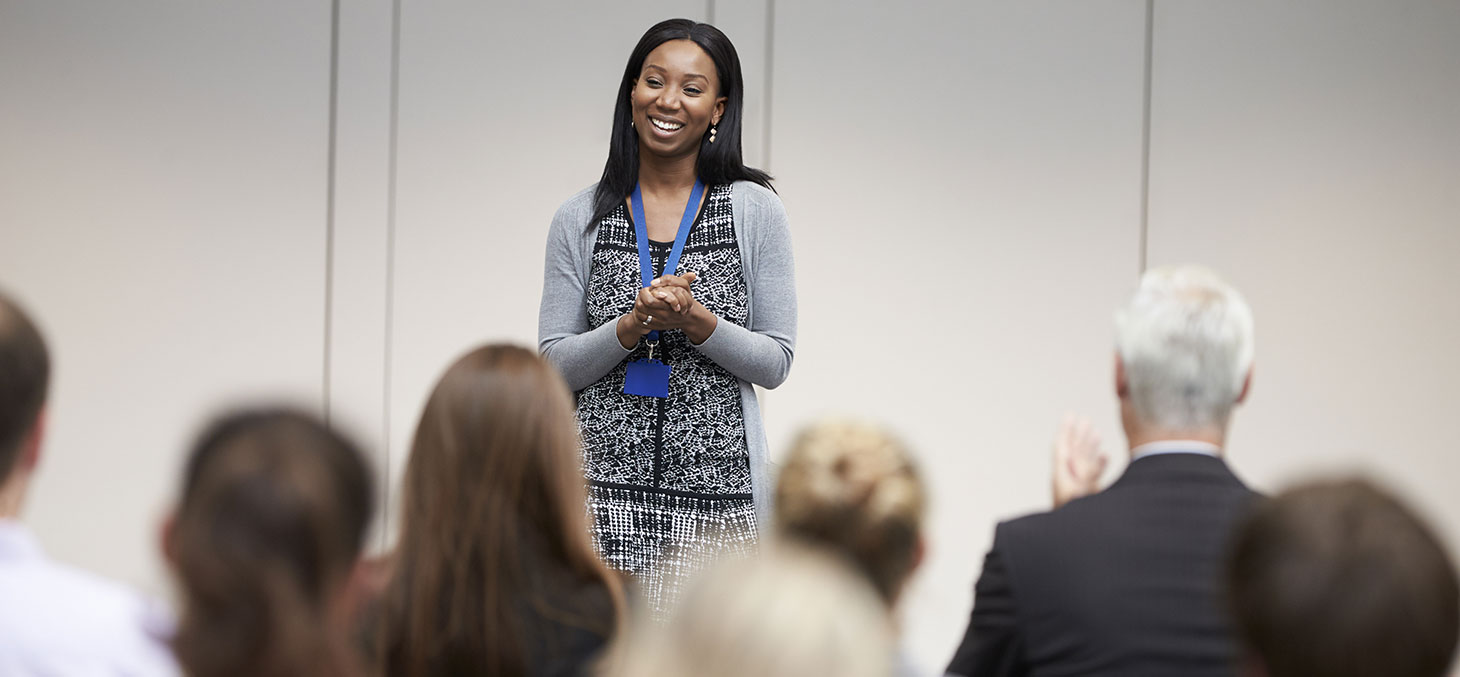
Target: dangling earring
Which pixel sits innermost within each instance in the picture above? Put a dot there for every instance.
(712, 133)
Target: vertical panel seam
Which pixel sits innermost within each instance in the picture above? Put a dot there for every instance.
(770, 61)
(710, 12)
(1146, 133)
(332, 150)
(390, 263)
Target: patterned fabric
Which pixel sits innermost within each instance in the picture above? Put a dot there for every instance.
(669, 478)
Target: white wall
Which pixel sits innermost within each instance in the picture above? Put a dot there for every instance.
(963, 181)
(162, 203)
(965, 186)
(1311, 150)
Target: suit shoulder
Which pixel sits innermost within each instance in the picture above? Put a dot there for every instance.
(1022, 527)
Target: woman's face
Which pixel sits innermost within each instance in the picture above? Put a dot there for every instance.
(675, 99)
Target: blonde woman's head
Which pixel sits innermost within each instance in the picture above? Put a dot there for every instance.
(791, 612)
(853, 488)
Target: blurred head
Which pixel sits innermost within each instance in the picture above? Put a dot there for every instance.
(25, 374)
(1340, 579)
(494, 520)
(269, 528)
(853, 488)
(788, 613)
(643, 91)
(1184, 344)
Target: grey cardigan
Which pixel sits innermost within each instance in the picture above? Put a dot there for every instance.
(759, 354)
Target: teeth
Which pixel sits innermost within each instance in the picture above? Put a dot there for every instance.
(666, 126)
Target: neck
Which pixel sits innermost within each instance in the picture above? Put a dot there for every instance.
(1144, 434)
(660, 175)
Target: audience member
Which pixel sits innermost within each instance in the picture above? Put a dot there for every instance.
(1126, 581)
(790, 612)
(54, 619)
(853, 489)
(265, 543)
(1340, 579)
(495, 573)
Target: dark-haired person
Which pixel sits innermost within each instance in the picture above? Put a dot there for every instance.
(495, 573)
(265, 544)
(55, 620)
(663, 354)
(1341, 579)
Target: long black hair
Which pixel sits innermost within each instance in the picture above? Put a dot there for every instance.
(719, 162)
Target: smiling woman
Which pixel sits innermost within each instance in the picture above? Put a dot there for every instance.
(669, 292)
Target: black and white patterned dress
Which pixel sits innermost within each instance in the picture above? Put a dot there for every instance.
(669, 478)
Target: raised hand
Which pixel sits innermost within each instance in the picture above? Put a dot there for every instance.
(1078, 460)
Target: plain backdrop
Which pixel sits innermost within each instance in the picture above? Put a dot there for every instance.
(213, 203)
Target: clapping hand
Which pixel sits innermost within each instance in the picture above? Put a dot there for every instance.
(1078, 460)
(666, 303)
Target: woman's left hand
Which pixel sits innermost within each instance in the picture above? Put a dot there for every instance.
(668, 303)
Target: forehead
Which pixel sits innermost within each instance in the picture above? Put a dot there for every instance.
(681, 57)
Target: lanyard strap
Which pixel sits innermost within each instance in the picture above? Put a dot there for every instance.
(641, 235)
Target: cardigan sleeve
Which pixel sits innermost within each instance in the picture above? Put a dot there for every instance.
(583, 354)
(762, 353)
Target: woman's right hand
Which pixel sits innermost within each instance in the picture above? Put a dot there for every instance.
(657, 308)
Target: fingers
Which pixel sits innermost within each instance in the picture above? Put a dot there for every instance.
(675, 297)
(1078, 460)
(663, 308)
(672, 291)
(1087, 460)
(675, 280)
(661, 301)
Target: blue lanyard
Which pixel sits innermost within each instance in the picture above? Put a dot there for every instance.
(641, 234)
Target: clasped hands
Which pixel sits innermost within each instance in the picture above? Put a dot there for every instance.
(667, 303)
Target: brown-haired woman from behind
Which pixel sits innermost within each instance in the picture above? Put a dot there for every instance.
(495, 573)
(853, 489)
(264, 543)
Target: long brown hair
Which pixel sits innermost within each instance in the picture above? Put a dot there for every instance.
(494, 524)
(272, 518)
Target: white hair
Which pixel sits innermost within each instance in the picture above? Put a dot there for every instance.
(1185, 339)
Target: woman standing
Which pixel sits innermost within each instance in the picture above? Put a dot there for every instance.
(668, 292)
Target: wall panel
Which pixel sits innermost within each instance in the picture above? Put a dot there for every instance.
(1311, 151)
(963, 183)
(162, 212)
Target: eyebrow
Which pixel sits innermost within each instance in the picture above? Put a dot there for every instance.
(661, 69)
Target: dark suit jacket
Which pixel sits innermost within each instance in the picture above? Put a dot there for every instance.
(1124, 582)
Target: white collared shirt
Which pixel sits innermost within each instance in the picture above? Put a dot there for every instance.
(1175, 447)
(60, 620)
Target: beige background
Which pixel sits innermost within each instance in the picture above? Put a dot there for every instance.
(211, 203)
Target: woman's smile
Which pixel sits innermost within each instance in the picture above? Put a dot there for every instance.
(665, 127)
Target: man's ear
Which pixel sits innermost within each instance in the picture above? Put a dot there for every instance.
(168, 538)
(1122, 386)
(30, 453)
(1246, 386)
